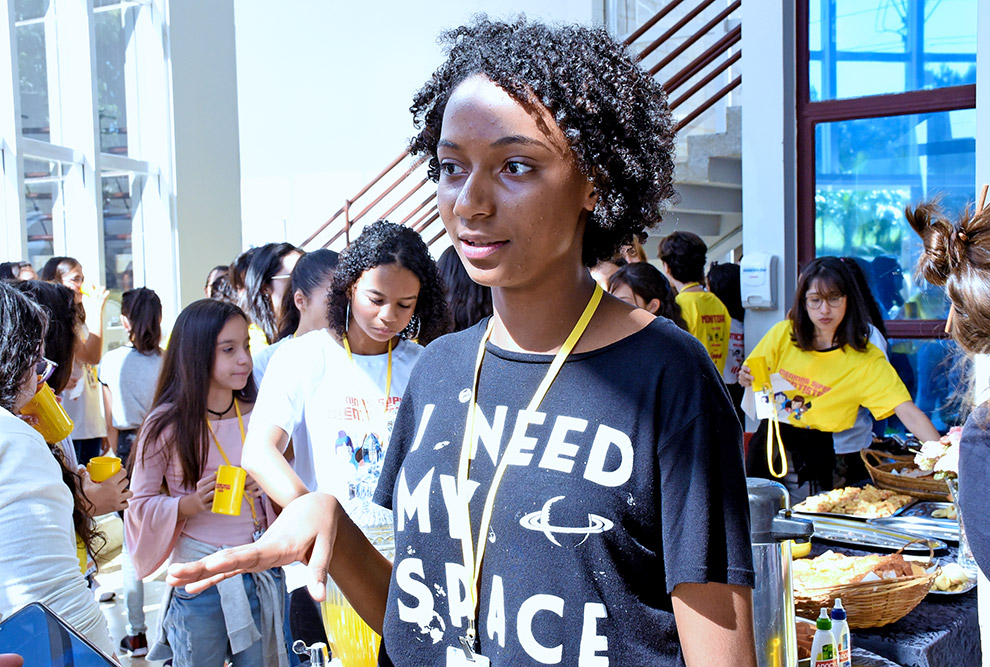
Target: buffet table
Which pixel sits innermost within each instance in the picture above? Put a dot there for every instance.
(942, 631)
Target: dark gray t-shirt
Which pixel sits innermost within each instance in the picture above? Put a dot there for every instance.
(627, 481)
(974, 475)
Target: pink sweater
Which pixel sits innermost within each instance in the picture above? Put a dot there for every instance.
(151, 522)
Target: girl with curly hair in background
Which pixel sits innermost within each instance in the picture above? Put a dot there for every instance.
(549, 506)
(336, 391)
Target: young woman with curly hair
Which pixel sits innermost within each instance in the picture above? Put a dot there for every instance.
(549, 506)
(336, 390)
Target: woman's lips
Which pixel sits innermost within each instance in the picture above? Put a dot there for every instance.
(480, 249)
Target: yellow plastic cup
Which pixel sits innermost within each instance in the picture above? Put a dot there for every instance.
(102, 467)
(229, 493)
(761, 373)
(53, 424)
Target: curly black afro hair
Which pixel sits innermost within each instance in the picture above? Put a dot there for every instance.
(382, 243)
(612, 112)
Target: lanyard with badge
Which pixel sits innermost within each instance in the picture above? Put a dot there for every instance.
(467, 654)
(388, 374)
(258, 530)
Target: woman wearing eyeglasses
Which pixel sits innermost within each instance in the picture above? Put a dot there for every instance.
(822, 351)
(266, 286)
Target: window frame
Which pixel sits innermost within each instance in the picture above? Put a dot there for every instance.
(810, 114)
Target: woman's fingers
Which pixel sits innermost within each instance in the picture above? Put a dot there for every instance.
(319, 560)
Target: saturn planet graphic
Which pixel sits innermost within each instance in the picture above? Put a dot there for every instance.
(540, 522)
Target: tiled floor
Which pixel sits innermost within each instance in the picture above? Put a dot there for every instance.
(109, 575)
(116, 611)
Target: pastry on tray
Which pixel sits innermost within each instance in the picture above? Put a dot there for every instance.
(868, 502)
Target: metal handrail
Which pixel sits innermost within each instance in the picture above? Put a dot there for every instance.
(674, 29)
(365, 189)
(711, 63)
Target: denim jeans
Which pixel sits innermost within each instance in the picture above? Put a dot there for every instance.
(133, 594)
(195, 628)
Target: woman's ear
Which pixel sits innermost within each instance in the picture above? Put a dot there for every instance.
(590, 196)
(300, 300)
(125, 322)
(653, 306)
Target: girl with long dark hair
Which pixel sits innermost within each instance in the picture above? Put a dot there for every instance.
(266, 286)
(525, 436)
(83, 397)
(39, 518)
(644, 286)
(129, 373)
(200, 413)
(304, 308)
(822, 349)
(468, 301)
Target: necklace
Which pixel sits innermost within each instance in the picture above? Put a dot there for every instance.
(221, 414)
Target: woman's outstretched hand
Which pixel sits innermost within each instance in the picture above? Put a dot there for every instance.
(305, 531)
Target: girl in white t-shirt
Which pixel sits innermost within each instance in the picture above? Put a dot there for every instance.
(335, 391)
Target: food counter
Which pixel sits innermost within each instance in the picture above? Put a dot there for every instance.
(942, 631)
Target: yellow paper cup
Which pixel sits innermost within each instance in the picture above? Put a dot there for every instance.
(229, 493)
(102, 467)
(761, 373)
(53, 424)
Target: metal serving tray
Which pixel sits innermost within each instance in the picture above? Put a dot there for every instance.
(923, 510)
(853, 517)
(858, 533)
(940, 529)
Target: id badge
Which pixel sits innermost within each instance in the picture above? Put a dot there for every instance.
(765, 409)
(256, 535)
(457, 657)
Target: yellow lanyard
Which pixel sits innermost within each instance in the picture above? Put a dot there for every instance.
(240, 423)
(471, 563)
(774, 428)
(388, 372)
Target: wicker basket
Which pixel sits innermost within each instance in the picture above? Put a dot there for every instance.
(880, 465)
(868, 604)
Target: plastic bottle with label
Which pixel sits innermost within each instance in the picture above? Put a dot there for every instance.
(823, 649)
(840, 630)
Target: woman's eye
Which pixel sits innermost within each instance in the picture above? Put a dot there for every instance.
(405, 306)
(450, 168)
(517, 168)
(227, 350)
(377, 302)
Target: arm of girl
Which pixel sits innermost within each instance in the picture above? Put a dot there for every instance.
(916, 421)
(90, 351)
(263, 459)
(313, 529)
(715, 624)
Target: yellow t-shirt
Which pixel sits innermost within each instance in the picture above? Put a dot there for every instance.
(707, 320)
(829, 386)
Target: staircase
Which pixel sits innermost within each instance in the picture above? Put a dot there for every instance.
(693, 47)
(708, 179)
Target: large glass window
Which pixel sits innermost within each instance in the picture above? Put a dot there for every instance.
(113, 22)
(30, 19)
(875, 47)
(867, 171)
(121, 201)
(886, 101)
(43, 196)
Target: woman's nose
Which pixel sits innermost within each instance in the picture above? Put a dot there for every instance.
(474, 198)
